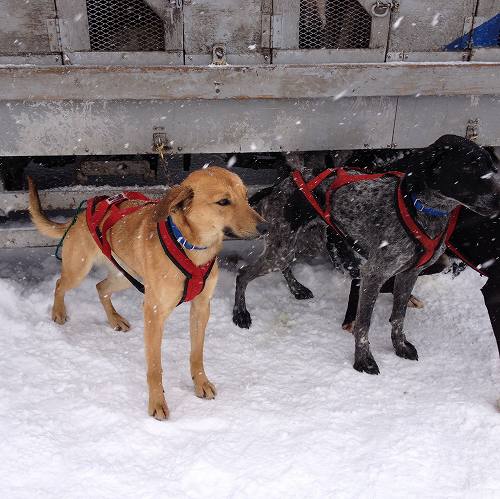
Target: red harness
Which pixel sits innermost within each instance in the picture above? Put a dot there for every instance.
(99, 207)
(429, 245)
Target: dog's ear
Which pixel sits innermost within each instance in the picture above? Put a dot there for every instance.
(178, 198)
(423, 168)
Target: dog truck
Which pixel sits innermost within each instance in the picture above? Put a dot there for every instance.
(99, 92)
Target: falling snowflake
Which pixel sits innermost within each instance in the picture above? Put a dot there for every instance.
(340, 95)
(397, 22)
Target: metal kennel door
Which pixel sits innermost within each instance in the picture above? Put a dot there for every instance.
(321, 31)
(121, 32)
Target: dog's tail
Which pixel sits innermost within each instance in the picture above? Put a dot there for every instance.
(44, 225)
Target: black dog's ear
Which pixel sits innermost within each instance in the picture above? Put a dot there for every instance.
(432, 163)
(422, 167)
(179, 197)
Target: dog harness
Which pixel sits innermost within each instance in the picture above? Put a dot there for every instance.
(342, 178)
(171, 239)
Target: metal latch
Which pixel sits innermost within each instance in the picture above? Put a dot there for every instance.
(472, 130)
(381, 8)
(177, 4)
(160, 142)
(219, 54)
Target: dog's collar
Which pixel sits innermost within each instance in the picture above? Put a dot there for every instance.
(420, 206)
(181, 239)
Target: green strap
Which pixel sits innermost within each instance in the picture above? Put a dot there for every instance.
(59, 245)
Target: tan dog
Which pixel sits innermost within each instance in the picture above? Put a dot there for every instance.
(207, 205)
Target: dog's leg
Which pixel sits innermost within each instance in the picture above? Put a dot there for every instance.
(199, 315)
(491, 293)
(75, 266)
(112, 284)
(154, 320)
(241, 316)
(403, 286)
(296, 288)
(352, 305)
(371, 282)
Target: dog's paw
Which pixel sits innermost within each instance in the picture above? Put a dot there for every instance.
(204, 388)
(158, 408)
(303, 293)
(406, 350)
(348, 326)
(118, 323)
(59, 315)
(242, 318)
(415, 302)
(366, 364)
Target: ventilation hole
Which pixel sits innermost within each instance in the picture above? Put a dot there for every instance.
(345, 24)
(124, 26)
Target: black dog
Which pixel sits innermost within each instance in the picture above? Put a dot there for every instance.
(451, 172)
(477, 240)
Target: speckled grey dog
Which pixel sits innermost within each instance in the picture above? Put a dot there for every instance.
(450, 172)
(294, 230)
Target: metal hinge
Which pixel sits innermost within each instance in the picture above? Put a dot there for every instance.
(397, 56)
(54, 32)
(276, 30)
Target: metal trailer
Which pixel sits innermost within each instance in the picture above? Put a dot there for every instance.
(114, 78)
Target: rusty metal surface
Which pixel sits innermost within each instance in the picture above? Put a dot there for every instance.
(420, 120)
(427, 25)
(237, 24)
(23, 237)
(67, 198)
(194, 126)
(248, 82)
(24, 28)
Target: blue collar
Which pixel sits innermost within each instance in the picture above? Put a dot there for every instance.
(181, 239)
(420, 206)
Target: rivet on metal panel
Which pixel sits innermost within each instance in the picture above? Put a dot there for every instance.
(472, 129)
(219, 54)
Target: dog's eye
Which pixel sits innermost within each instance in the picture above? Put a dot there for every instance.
(223, 202)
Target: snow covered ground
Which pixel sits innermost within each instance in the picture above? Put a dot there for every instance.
(292, 418)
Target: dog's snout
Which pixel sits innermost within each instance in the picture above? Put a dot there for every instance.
(262, 227)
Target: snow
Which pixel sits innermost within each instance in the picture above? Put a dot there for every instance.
(292, 419)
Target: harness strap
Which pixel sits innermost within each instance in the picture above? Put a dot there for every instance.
(196, 276)
(304, 187)
(429, 245)
(453, 248)
(99, 207)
